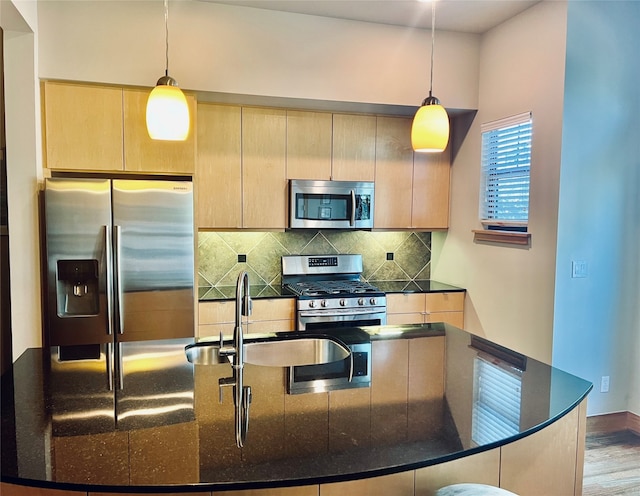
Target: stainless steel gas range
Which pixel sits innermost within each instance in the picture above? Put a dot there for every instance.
(331, 293)
(333, 299)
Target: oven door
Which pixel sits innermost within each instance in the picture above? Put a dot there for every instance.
(327, 319)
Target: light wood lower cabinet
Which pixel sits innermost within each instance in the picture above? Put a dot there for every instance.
(268, 315)
(423, 308)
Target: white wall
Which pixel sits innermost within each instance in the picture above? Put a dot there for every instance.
(510, 289)
(22, 112)
(597, 328)
(228, 49)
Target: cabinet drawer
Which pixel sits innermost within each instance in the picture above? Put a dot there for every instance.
(273, 309)
(444, 302)
(453, 318)
(405, 303)
(405, 318)
(215, 312)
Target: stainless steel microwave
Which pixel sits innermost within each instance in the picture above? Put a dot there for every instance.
(331, 204)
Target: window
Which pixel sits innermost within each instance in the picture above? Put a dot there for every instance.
(506, 162)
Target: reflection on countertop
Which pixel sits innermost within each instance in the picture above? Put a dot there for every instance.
(424, 407)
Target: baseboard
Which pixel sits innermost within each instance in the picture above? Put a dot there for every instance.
(613, 422)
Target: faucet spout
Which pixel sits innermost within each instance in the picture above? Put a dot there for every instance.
(241, 393)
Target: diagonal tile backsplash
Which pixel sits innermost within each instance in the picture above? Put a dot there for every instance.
(386, 256)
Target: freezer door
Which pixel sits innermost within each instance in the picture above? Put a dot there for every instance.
(77, 227)
(154, 384)
(154, 259)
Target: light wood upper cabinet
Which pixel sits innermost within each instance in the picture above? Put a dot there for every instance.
(83, 127)
(241, 167)
(354, 147)
(141, 153)
(309, 145)
(394, 173)
(103, 128)
(431, 183)
(412, 189)
(264, 182)
(219, 166)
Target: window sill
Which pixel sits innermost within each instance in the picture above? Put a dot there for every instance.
(504, 237)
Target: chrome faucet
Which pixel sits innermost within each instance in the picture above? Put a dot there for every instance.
(241, 393)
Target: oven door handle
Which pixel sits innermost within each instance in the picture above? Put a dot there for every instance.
(340, 312)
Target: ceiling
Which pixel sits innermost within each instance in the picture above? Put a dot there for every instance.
(468, 16)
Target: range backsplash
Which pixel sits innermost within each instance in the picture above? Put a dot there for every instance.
(387, 256)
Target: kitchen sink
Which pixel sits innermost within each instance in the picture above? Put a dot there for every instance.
(285, 350)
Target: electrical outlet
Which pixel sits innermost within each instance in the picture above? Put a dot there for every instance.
(604, 384)
(578, 268)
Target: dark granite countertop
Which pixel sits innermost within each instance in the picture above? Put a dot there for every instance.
(266, 291)
(165, 431)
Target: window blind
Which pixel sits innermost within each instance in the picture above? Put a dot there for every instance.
(506, 163)
(496, 401)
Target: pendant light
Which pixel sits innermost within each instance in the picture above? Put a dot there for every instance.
(167, 108)
(430, 128)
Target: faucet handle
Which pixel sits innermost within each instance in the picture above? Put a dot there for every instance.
(224, 382)
(247, 306)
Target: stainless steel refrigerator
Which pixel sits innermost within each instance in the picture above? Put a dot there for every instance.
(120, 269)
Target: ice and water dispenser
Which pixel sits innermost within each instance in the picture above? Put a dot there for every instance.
(77, 288)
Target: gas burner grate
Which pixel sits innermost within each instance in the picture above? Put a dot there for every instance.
(329, 288)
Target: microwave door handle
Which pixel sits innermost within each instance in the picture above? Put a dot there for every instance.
(352, 222)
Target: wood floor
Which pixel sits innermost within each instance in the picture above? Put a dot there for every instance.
(612, 464)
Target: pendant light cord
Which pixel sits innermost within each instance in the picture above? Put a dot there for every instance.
(433, 41)
(166, 37)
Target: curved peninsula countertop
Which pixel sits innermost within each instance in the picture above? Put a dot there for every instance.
(438, 396)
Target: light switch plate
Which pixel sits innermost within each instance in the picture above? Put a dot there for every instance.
(578, 268)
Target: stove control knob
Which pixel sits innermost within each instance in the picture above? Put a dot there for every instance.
(360, 301)
(323, 303)
(372, 301)
(312, 304)
(342, 302)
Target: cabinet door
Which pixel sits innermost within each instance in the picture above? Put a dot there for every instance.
(141, 153)
(354, 147)
(219, 167)
(431, 182)
(393, 173)
(82, 127)
(264, 183)
(405, 308)
(308, 145)
(444, 302)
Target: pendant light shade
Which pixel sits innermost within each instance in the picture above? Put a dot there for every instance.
(167, 112)
(167, 107)
(430, 128)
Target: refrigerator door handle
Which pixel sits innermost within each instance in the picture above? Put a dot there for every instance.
(109, 263)
(109, 360)
(120, 371)
(117, 233)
